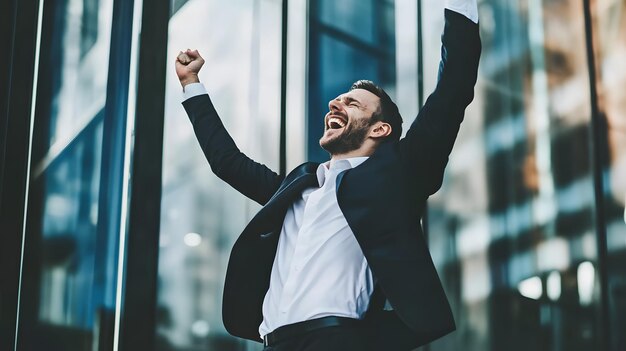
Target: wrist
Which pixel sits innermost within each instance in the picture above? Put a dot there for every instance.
(193, 78)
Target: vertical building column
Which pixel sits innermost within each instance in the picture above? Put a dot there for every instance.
(112, 176)
(599, 132)
(18, 44)
(283, 90)
(138, 324)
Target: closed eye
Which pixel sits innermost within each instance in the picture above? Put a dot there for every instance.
(351, 101)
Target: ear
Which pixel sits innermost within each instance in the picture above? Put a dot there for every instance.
(380, 130)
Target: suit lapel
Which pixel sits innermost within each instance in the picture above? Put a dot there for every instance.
(270, 217)
(305, 174)
(340, 179)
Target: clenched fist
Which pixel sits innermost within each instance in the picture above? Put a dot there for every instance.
(188, 64)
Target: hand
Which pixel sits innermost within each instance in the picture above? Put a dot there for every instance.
(188, 64)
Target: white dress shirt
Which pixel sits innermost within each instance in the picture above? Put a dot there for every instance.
(467, 8)
(319, 269)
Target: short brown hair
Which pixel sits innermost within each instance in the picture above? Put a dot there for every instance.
(388, 111)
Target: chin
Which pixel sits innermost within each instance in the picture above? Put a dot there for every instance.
(326, 140)
(332, 145)
(323, 142)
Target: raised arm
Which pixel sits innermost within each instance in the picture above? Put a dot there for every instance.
(430, 138)
(252, 179)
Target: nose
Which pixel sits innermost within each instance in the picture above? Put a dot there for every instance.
(334, 105)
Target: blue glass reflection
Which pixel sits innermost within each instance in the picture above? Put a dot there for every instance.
(67, 261)
(349, 40)
(513, 228)
(69, 233)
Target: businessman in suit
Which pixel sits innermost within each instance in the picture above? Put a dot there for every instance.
(336, 258)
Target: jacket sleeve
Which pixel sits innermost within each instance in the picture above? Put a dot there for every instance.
(250, 178)
(429, 140)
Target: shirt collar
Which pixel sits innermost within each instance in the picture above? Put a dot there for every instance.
(337, 166)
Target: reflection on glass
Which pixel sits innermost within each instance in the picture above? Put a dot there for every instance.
(355, 17)
(610, 34)
(554, 286)
(70, 219)
(586, 279)
(531, 288)
(79, 50)
(348, 41)
(512, 230)
(201, 216)
(67, 313)
(62, 302)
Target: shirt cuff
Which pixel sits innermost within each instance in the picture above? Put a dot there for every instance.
(193, 89)
(467, 8)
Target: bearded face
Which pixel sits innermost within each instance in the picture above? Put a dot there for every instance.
(339, 140)
(348, 122)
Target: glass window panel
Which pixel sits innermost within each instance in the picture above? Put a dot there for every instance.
(70, 218)
(58, 295)
(89, 26)
(610, 30)
(387, 23)
(512, 230)
(340, 64)
(79, 43)
(201, 216)
(355, 17)
(67, 260)
(337, 61)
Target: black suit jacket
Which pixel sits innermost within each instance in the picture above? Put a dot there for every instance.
(382, 200)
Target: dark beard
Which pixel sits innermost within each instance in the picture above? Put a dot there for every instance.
(351, 139)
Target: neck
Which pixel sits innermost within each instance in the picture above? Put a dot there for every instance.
(360, 152)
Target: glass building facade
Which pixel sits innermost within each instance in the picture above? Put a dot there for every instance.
(528, 231)
(531, 188)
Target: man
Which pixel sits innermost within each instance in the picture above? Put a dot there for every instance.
(336, 259)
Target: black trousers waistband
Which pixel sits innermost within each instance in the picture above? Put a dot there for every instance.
(297, 329)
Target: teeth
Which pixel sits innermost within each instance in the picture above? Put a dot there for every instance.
(338, 121)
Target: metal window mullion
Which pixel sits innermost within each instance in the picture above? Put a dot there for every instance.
(283, 90)
(19, 62)
(138, 310)
(111, 173)
(598, 130)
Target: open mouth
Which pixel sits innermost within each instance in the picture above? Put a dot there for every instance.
(336, 123)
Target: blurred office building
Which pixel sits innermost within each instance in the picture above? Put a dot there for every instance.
(115, 234)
